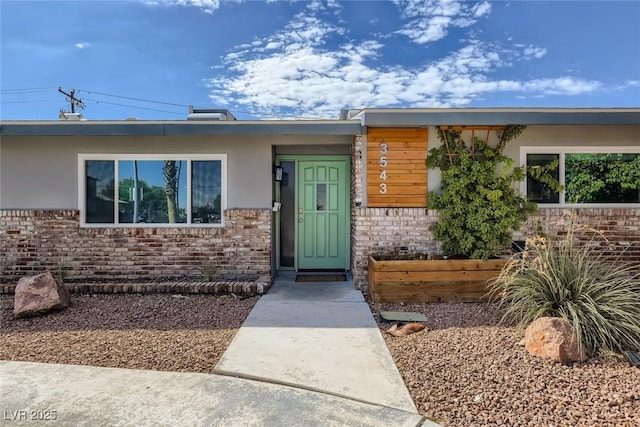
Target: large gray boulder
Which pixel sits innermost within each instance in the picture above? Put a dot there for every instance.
(553, 338)
(40, 294)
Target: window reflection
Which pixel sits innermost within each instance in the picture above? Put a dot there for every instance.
(100, 178)
(206, 192)
(537, 191)
(588, 178)
(602, 177)
(152, 191)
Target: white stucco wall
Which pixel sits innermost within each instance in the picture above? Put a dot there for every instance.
(42, 172)
(575, 136)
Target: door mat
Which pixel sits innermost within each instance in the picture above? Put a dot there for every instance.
(321, 278)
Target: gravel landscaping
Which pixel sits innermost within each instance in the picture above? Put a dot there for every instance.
(467, 370)
(464, 370)
(159, 332)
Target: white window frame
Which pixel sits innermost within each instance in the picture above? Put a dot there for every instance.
(84, 157)
(562, 151)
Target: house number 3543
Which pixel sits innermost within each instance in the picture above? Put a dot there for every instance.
(384, 149)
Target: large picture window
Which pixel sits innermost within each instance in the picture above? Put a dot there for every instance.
(590, 176)
(143, 190)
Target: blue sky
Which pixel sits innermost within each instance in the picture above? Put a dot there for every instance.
(309, 59)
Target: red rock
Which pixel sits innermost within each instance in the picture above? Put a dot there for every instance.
(553, 338)
(408, 329)
(40, 294)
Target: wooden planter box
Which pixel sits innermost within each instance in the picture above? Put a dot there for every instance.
(431, 280)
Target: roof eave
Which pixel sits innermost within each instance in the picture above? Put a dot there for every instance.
(181, 128)
(498, 118)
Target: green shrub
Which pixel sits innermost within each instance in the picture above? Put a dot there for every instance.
(572, 279)
(478, 202)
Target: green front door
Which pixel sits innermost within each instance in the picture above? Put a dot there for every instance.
(322, 215)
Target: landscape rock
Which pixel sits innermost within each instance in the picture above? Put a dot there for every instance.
(40, 294)
(553, 338)
(408, 329)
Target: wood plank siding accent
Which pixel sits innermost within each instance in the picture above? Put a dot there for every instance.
(396, 167)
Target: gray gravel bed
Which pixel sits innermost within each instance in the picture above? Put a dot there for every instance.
(467, 370)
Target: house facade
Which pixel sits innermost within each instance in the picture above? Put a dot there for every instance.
(238, 200)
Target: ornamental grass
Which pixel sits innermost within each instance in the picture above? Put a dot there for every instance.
(571, 278)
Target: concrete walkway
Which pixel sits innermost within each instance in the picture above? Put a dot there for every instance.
(309, 354)
(70, 395)
(320, 337)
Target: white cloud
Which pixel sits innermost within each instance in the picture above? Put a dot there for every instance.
(531, 51)
(627, 85)
(430, 20)
(207, 6)
(82, 45)
(294, 73)
(481, 9)
(561, 86)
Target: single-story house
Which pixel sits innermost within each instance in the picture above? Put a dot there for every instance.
(233, 199)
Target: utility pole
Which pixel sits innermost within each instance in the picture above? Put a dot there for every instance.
(72, 99)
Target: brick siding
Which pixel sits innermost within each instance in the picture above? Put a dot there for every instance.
(406, 230)
(387, 231)
(32, 241)
(620, 227)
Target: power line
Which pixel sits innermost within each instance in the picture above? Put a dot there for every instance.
(89, 91)
(93, 101)
(25, 92)
(97, 101)
(29, 102)
(32, 89)
(131, 98)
